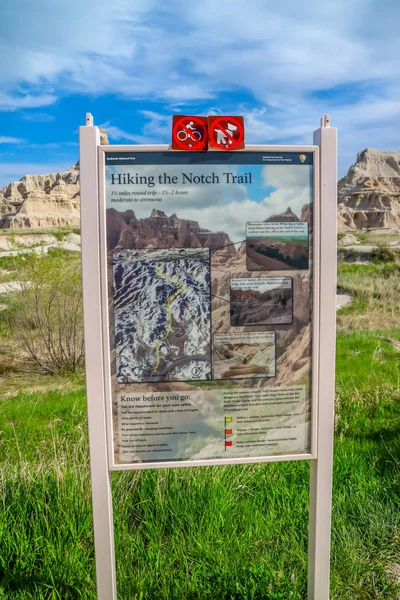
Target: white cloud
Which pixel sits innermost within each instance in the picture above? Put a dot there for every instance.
(285, 56)
(293, 187)
(49, 145)
(188, 51)
(12, 102)
(116, 134)
(156, 130)
(4, 139)
(36, 117)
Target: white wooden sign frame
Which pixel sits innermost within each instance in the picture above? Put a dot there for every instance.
(98, 382)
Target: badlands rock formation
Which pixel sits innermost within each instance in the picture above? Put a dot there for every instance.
(286, 217)
(369, 195)
(42, 200)
(125, 230)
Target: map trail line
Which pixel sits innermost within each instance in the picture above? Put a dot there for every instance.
(169, 300)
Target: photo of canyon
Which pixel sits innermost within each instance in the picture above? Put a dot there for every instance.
(266, 301)
(244, 355)
(277, 246)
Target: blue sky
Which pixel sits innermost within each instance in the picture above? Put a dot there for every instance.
(134, 64)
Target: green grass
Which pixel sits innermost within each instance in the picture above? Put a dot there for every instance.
(37, 230)
(375, 290)
(374, 238)
(375, 363)
(230, 533)
(8, 269)
(211, 533)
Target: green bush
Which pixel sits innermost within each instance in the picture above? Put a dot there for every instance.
(383, 254)
(46, 316)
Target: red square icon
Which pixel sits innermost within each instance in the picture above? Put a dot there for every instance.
(189, 133)
(226, 133)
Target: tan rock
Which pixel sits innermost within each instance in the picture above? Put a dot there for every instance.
(103, 137)
(43, 200)
(369, 195)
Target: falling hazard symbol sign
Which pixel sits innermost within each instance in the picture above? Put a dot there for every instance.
(226, 133)
(189, 133)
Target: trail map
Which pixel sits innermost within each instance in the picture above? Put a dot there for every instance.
(162, 314)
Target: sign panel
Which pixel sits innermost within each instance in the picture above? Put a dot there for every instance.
(226, 133)
(189, 133)
(210, 274)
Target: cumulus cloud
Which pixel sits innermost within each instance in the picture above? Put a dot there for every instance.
(190, 51)
(12, 102)
(294, 61)
(293, 187)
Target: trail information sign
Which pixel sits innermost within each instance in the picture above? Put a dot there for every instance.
(209, 305)
(210, 276)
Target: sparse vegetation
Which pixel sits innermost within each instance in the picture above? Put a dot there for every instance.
(45, 317)
(385, 254)
(36, 230)
(233, 533)
(375, 289)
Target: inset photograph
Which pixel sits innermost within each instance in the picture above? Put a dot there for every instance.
(243, 355)
(264, 301)
(274, 246)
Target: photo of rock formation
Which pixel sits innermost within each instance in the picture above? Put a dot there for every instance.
(244, 355)
(282, 254)
(266, 301)
(125, 230)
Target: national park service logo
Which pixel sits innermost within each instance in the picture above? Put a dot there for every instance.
(302, 157)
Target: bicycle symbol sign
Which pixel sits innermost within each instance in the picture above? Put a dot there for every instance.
(189, 133)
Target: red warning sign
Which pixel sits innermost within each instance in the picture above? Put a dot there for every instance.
(189, 133)
(226, 133)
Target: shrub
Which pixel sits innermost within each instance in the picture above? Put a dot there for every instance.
(47, 314)
(385, 255)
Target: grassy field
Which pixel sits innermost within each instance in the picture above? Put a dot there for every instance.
(215, 533)
(37, 230)
(373, 237)
(375, 289)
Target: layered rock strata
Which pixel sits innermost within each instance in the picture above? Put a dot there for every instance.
(369, 195)
(125, 230)
(42, 200)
